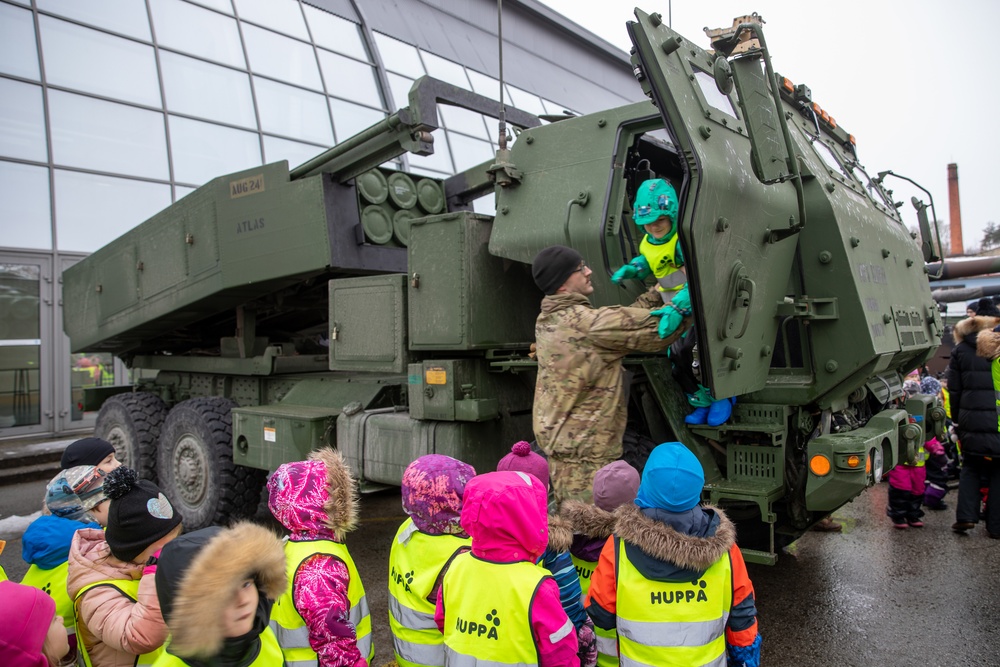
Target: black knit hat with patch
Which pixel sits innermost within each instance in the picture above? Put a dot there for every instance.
(553, 266)
(139, 513)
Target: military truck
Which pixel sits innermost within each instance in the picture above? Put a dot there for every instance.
(277, 310)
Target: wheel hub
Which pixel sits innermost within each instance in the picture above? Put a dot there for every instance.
(119, 440)
(190, 470)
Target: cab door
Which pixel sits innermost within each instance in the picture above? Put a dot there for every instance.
(739, 205)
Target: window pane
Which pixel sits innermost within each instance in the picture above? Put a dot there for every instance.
(293, 112)
(281, 58)
(25, 217)
(349, 119)
(95, 62)
(202, 151)
(468, 152)
(399, 57)
(554, 108)
(463, 120)
(220, 5)
(485, 205)
(525, 101)
(484, 85)
(194, 87)
(349, 78)
(125, 16)
(282, 15)
(20, 345)
(400, 88)
(104, 136)
(335, 33)
(445, 70)
(18, 51)
(440, 160)
(713, 96)
(92, 210)
(22, 133)
(296, 153)
(185, 27)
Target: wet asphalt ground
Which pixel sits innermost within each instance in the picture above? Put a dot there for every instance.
(870, 596)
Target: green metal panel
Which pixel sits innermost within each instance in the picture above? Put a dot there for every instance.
(266, 436)
(460, 296)
(368, 324)
(115, 285)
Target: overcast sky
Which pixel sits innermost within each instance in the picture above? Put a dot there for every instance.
(914, 81)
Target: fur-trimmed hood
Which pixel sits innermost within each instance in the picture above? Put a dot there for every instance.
(692, 541)
(988, 344)
(971, 325)
(315, 498)
(560, 533)
(588, 520)
(198, 576)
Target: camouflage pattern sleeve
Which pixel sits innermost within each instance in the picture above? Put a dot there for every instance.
(625, 329)
(649, 299)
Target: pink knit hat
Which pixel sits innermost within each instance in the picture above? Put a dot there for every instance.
(615, 484)
(522, 459)
(25, 617)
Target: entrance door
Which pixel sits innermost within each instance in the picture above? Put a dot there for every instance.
(25, 345)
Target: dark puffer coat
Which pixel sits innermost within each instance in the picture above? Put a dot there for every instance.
(970, 388)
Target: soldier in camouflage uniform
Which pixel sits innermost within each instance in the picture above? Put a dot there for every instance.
(579, 407)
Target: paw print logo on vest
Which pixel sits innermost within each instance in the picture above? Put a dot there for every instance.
(493, 618)
(487, 630)
(409, 579)
(47, 588)
(401, 579)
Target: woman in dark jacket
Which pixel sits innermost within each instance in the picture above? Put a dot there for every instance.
(974, 410)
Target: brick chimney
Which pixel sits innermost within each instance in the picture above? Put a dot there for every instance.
(955, 212)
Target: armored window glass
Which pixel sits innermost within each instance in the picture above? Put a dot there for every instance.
(281, 58)
(826, 153)
(202, 151)
(485, 205)
(349, 119)
(334, 33)
(282, 15)
(218, 5)
(345, 77)
(295, 152)
(462, 120)
(22, 130)
(525, 101)
(440, 160)
(96, 62)
(713, 96)
(486, 86)
(468, 152)
(400, 88)
(91, 210)
(127, 17)
(399, 56)
(24, 206)
(185, 27)
(104, 136)
(217, 93)
(445, 70)
(293, 112)
(18, 51)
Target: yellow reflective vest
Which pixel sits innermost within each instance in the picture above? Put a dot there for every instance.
(415, 562)
(672, 624)
(487, 605)
(269, 655)
(130, 589)
(288, 625)
(53, 582)
(607, 640)
(664, 262)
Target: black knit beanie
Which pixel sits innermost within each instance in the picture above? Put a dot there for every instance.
(86, 452)
(553, 266)
(139, 513)
(987, 308)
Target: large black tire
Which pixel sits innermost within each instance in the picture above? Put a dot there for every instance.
(196, 469)
(132, 423)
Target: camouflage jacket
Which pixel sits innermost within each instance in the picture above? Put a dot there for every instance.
(579, 408)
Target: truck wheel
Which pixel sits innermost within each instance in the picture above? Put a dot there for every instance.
(131, 423)
(196, 469)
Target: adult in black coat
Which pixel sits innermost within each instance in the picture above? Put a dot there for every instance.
(974, 411)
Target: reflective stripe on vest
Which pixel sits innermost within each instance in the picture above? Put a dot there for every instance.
(698, 612)
(130, 589)
(607, 640)
(487, 612)
(415, 561)
(268, 656)
(53, 582)
(286, 622)
(662, 260)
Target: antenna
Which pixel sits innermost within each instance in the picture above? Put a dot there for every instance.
(502, 141)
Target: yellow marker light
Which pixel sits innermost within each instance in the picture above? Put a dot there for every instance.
(819, 465)
(833, 123)
(787, 84)
(853, 461)
(868, 465)
(850, 138)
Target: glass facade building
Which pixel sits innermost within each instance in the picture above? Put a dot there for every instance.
(110, 110)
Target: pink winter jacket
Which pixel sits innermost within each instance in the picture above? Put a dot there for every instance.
(505, 514)
(112, 627)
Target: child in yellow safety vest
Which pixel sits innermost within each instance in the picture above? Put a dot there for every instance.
(672, 579)
(424, 546)
(32, 634)
(216, 587)
(111, 575)
(322, 618)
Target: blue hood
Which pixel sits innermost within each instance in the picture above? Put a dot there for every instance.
(47, 540)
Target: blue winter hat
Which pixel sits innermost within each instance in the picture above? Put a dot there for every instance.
(671, 480)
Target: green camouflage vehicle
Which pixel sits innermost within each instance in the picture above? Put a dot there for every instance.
(342, 303)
